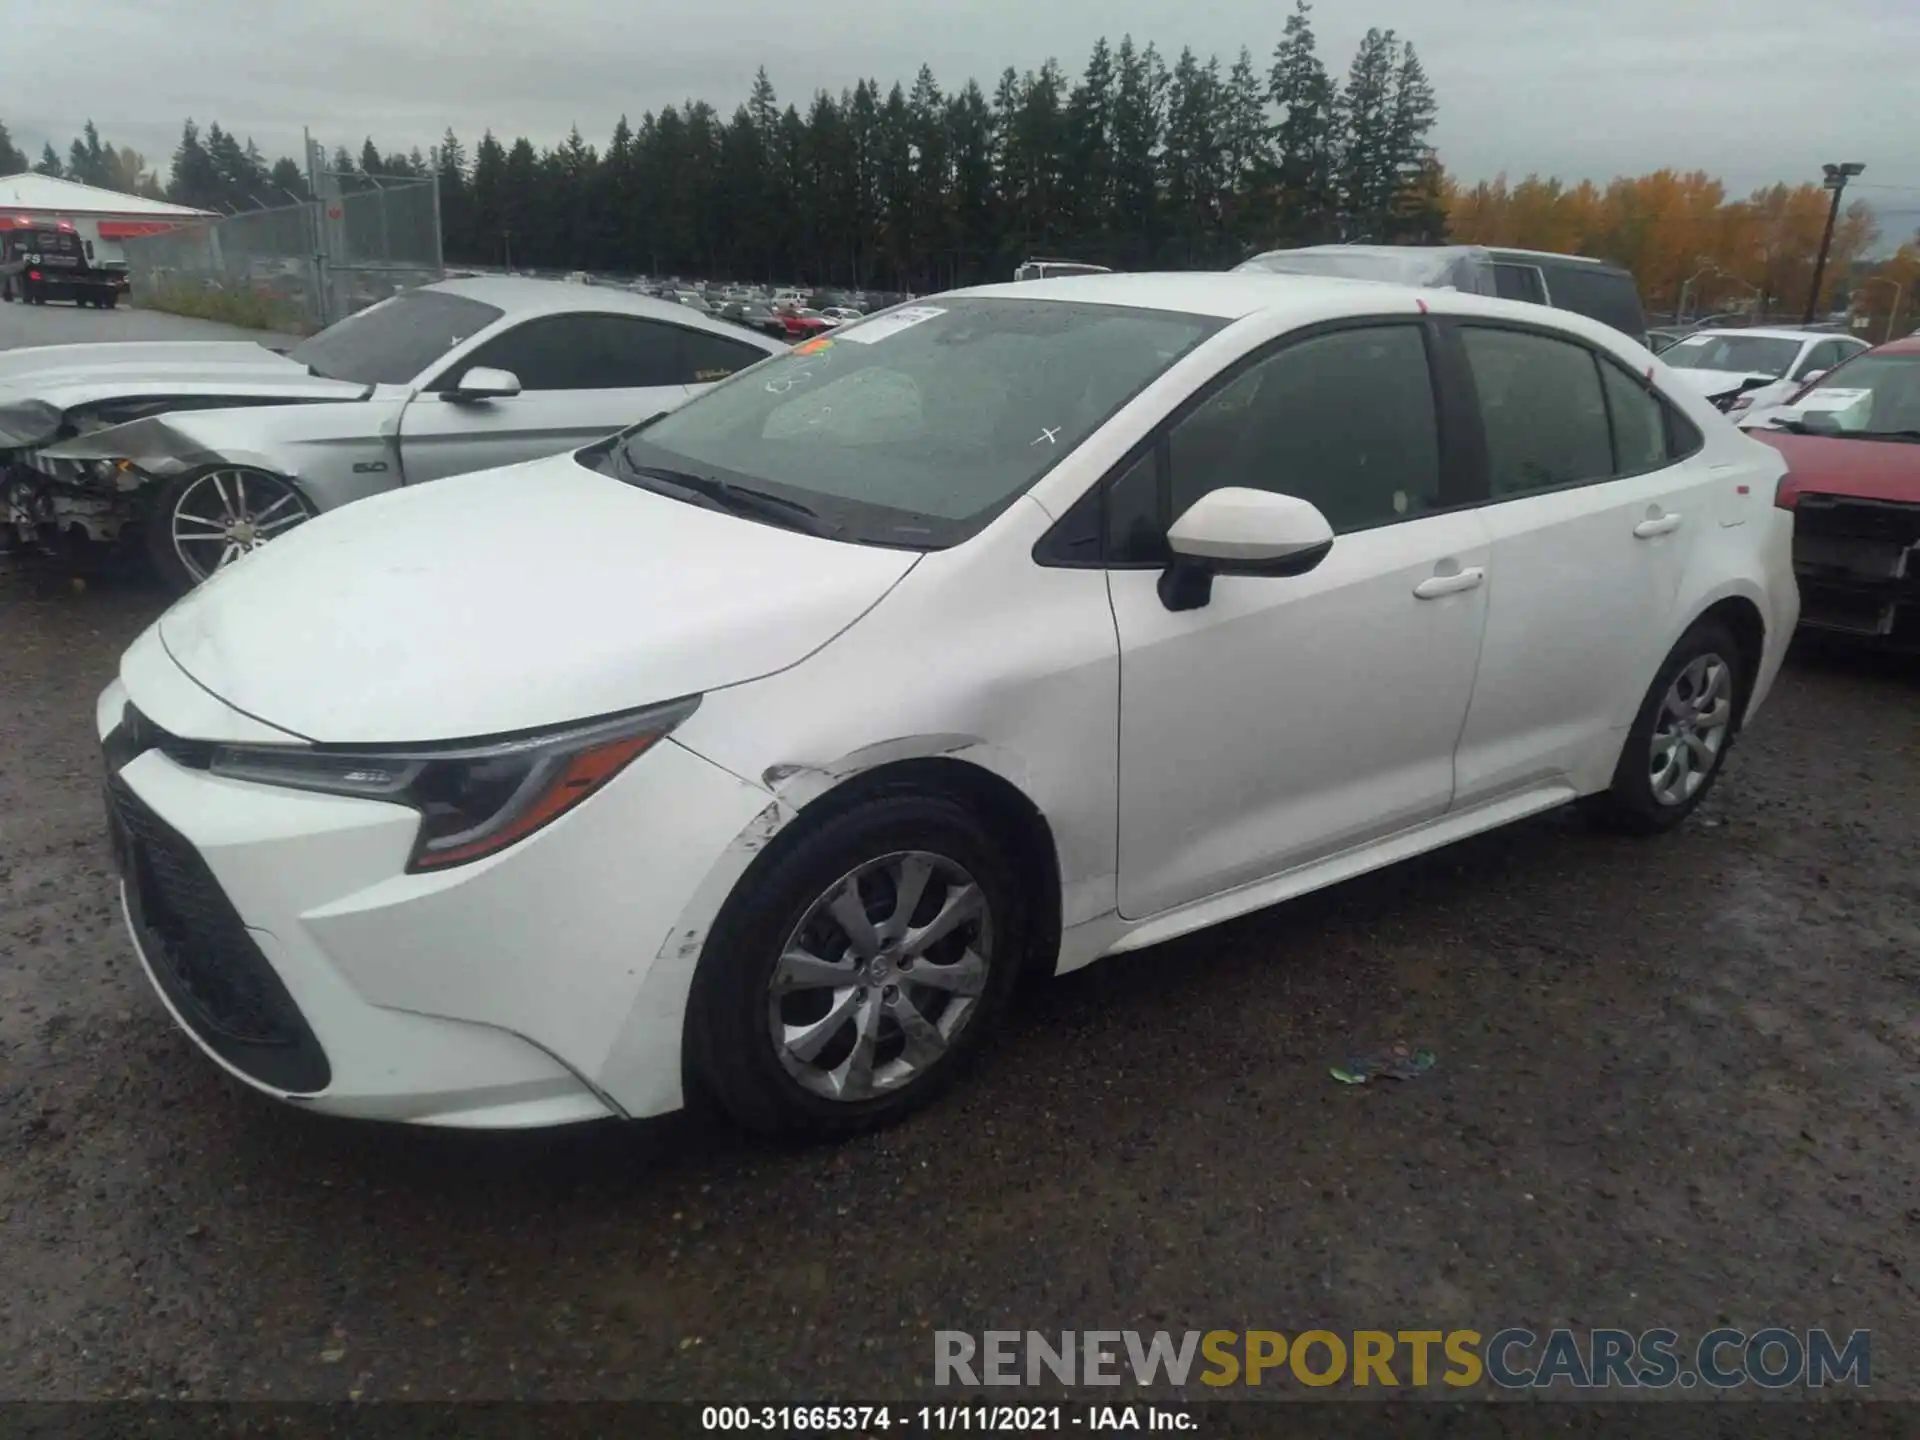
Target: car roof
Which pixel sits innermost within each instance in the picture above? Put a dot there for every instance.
(1499, 250)
(1910, 345)
(523, 297)
(1223, 295)
(1234, 295)
(1768, 332)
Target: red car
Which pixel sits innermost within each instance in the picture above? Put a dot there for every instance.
(1852, 442)
(804, 324)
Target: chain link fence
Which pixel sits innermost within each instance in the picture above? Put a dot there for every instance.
(300, 267)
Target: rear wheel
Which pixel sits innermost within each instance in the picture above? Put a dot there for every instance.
(211, 518)
(851, 979)
(1680, 738)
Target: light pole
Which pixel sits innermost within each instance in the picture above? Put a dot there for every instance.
(1680, 317)
(1836, 181)
(1893, 306)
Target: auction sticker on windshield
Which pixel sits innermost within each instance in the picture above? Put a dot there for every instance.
(869, 332)
(1840, 405)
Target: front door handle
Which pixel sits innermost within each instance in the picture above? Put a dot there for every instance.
(1452, 584)
(1665, 525)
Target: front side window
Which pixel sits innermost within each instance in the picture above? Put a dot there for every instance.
(1541, 408)
(706, 358)
(397, 340)
(579, 352)
(1344, 420)
(916, 426)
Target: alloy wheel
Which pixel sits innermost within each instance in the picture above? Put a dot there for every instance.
(226, 513)
(880, 976)
(1691, 729)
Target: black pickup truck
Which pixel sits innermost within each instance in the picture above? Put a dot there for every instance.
(49, 262)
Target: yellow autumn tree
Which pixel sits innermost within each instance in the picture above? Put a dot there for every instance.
(1678, 232)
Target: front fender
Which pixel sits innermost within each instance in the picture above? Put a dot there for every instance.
(336, 453)
(645, 1066)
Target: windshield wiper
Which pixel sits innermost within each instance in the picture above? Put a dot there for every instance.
(739, 499)
(1800, 427)
(1909, 436)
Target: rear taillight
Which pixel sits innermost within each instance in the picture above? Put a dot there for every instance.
(1784, 495)
(33, 274)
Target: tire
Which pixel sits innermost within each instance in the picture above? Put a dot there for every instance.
(267, 505)
(782, 906)
(1692, 710)
(111, 302)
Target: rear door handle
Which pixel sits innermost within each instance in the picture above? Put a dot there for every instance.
(1665, 525)
(1452, 584)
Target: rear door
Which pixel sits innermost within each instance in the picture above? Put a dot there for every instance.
(1594, 505)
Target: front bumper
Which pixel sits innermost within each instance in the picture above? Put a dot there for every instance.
(1858, 566)
(282, 932)
(42, 500)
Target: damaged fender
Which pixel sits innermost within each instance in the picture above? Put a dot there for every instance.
(651, 1040)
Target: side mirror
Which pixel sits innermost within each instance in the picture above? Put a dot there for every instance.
(484, 383)
(1240, 531)
(1807, 377)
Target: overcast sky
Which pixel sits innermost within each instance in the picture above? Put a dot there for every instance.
(1750, 90)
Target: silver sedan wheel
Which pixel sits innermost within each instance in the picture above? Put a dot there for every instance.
(225, 513)
(880, 976)
(1691, 729)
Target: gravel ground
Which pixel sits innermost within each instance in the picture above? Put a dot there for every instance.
(1676, 1086)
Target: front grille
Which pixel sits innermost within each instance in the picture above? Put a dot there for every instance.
(1858, 565)
(202, 955)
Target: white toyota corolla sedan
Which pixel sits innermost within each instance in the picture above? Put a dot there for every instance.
(759, 749)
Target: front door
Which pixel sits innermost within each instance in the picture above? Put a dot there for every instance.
(582, 376)
(1288, 719)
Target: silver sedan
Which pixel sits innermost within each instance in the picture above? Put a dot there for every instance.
(202, 452)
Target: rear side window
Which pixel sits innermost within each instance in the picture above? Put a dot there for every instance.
(1519, 282)
(1639, 429)
(1542, 409)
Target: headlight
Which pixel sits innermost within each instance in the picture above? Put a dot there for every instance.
(473, 800)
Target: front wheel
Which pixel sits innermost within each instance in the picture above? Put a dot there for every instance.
(1679, 740)
(209, 519)
(855, 972)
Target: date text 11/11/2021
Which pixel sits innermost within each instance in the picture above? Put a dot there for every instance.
(945, 1419)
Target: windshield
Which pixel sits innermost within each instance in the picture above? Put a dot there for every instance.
(1743, 354)
(1873, 395)
(394, 342)
(915, 426)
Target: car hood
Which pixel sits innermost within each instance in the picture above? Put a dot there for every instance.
(1832, 465)
(512, 599)
(49, 380)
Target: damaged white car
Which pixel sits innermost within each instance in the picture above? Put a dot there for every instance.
(197, 453)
